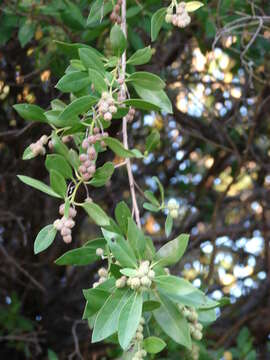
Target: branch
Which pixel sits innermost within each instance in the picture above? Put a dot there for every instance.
(124, 128)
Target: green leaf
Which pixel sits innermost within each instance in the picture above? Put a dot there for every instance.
(28, 154)
(118, 40)
(117, 147)
(153, 345)
(102, 175)
(107, 319)
(146, 80)
(122, 213)
(141, 56)
(30, 112)
(96, 213)
(193, 5)
(158, 98)
(58, 183)
(98, 81)
(58, 163)
(77, 107)
(52, 355)
(141, 104)
(152, 140)
(57, 104)
(150, 207)
(157, 22)
(72, 16)
(168, 225)
(72, 49)
(172, 251)
(181, 290)
(151, 197)
(73, 158)
(98, 10)
(26, 32)
(129, 272)
(91, 60)
(135, 238)
(73, 82)
(206, 316)
(38, 185)
(82, 256)
(44, 238)
(129, 319)
(172, 322)
(160, 186)
(122, 251)
(95, 300)
(150, 305)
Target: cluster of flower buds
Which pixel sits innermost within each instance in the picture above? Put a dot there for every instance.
(130, 115)
(138, 338)
(103, 276)
(195, 352)
(142, 279)
(115, 15)
(192, 317)
(64, 225)
(88, 166)
(38, 148)
(106, 106)
(173, 207)
(181, 18)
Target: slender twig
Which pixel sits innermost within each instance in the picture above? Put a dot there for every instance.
(124, 128)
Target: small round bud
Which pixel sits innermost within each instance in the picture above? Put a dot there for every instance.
(107, 116)
(50, 145)
(82, 169)
(135, 283)
(86, 176)
(102, 272)
(62, 209)
(85, 144)
(139, 336)
(91, 152)
(95, 284)
(199, 326)
(143, 353)
(99, 252)
(67, 239)
(112, 109)
(72, 212)
(140, 328)
(197, 335)
(174, 214)
(91, 169)
(58, 224)
(83, 157)
(168, 18)
(65, 231)
(44, 139)
(142, 321)
(102, 279)
(151, 274)
(92, 139)
(145, 281)
(70, 223)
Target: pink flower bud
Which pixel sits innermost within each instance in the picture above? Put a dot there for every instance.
(92, 139)
(70, 223)
(91, 152)
(44, 139)
(62, 209)
(85, 144)
(72, 212)
(91, 169)
(82, 169)
(87, 163)
(65, 231)
(96, 130)
(58, 224)
(86, 176)
(67, 239)
(83, 157)
(113, 109)
(107, 116)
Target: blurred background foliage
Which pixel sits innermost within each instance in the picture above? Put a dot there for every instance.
(213, 158)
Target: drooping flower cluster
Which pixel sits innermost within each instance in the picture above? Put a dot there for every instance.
(106, 106)
(115, 17)
(180, 18)
(88, 166)
(103, 276)
(64, 225)
(192, 317)
(38, 148)
(141, 280)
(173, 207)
(138, 338)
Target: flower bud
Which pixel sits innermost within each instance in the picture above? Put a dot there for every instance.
(58, 224)
(99, 252)
(102, 272)
(145, 281)
(67, 239)
(107, 116)
(151, 274)
(135, 283)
